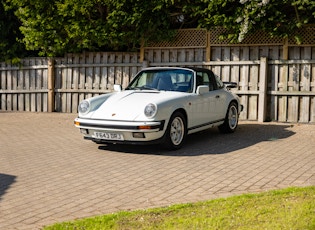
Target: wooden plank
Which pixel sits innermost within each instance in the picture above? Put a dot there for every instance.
(216, 57)
(181, 55)
(82, 76)
(45, 85)
(58, 85)
(149, 56)
(20, 85)
(191, 55)
(51, 85)
(226, 69)
(33, 85)
(282, 109)
(111, 73)
(75, 85)
(126, 71)
(235, 69)
(64, 83)
(104, 74)
(273, 80)
(306, 87)
(157, 56)
(253, 85)
(294, 79)
(243, 84)
(68, 80)
(3, 86)
(134, 70)
(14, 77)
(262, 100)
(173, 55)
(312, 80)
(166, 55)
(118, 70)
(38, 85)
(9, 87)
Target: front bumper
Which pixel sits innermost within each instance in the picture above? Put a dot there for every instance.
(127, 131)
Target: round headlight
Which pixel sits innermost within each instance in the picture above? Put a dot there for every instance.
(84, 107)
(150, 110)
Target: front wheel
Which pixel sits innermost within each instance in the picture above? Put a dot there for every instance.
(231, 119)
(176, 132)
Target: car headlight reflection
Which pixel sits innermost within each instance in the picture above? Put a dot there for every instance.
(150, 110)
(84, 107)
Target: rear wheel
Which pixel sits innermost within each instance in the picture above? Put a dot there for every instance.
(176, 132)
(231, 119)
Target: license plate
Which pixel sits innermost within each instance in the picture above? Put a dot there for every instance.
(108, 136)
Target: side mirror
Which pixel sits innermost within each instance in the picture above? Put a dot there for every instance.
(202, 89)
(117, 88)
(230, 85)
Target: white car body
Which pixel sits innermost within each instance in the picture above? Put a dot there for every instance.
(119, 117)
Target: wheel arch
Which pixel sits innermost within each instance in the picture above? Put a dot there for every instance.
(236, 102)
(182, 111)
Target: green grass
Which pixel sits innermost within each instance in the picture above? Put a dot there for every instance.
(292, 208)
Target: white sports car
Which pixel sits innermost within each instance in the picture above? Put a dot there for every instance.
(161, 104)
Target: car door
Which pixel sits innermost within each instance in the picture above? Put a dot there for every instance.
(220, 97)
(203, 105)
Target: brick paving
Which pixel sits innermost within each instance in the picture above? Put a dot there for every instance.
(48, 173)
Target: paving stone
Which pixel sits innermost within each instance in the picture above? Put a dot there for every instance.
(48, 173)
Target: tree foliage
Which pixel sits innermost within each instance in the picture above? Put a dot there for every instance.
(279, 18)
(54, 27)
(10, 45)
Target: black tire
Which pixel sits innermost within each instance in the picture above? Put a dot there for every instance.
(231, 119)
(175, 134)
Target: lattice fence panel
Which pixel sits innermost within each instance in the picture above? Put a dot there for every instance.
(257, 38)
(307, 35)
(193, 38)
(197, 38)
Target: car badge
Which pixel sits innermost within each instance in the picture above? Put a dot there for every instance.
(114, 114)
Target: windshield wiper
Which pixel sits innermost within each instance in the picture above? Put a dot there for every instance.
(144, 87)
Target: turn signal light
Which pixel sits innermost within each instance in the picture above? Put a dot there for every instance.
(144, 127)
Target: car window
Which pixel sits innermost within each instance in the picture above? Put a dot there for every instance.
(205, 78)
(163, 79)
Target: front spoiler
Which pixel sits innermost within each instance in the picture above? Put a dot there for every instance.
(126, 142)
(120, 126)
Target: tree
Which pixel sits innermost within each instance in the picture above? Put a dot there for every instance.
(10, 35)
(279, 18)
(55, 27)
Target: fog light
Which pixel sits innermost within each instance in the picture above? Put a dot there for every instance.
(84, 131)
(138, 135)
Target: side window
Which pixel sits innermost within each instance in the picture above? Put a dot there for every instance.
(212, 83)
(205, 78)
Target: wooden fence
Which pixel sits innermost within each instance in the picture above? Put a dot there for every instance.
(276, 79)
(269, 89)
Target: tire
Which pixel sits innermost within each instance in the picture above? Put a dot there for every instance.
(231, 119)
(176, 132)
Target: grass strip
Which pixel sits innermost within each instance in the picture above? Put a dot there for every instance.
(291, 208)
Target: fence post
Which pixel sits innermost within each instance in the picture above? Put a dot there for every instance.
(51, 85)
(262, 101)
(208, 48)
(142, 51)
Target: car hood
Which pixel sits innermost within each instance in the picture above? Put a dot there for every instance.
(129, 105)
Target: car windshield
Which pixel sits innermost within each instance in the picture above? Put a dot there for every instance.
(180, 80)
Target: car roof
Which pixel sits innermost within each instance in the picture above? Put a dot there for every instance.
(172, 67)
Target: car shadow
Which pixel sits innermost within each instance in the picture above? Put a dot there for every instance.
(5, 182)
(211, 141)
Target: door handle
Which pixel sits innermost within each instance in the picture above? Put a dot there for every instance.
(217, 96)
